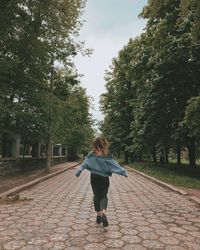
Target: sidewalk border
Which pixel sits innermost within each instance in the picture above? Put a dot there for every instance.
(164, 184)
(27, 185)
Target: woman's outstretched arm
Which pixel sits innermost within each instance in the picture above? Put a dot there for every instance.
(116, 168)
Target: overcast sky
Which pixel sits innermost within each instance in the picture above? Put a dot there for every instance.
(108, 26)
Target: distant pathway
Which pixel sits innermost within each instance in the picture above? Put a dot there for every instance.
(142, 215)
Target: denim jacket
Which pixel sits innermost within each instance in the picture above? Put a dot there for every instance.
(101, 165)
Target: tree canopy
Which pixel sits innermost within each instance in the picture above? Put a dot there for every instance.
(151, 81)
(37, 77)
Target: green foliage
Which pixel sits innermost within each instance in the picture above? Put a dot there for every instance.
(162, 70)
(115, 103)
(36, 73)
(192, 116)
(75, 125)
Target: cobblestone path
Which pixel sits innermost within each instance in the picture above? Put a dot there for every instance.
(142, 215)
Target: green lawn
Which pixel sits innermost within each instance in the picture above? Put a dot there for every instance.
(179, 176)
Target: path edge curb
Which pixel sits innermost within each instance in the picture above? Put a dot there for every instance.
(27, 185)
(164, 184)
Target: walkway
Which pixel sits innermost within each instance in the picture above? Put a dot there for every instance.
(142, 215)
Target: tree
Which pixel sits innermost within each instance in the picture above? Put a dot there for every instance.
(192, 116)
(162, 69)
(79, 131)
(115, 103)
(36, 36)
(176, 73)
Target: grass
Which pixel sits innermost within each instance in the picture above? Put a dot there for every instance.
(182, 176)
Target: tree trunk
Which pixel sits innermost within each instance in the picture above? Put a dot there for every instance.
(132, 157)
(4, 145)
(49, 140)
(24, 147)
(34, 151)
(191, 151)
(153, 152)
(166, 156)
(178, 153)
(48, 154)
(9, 147)
(126, 157)
(162, 158)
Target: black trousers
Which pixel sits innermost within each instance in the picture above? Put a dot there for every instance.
(100, 187)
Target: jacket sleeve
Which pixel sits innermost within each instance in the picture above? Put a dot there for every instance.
(116, 168)
(81, 168)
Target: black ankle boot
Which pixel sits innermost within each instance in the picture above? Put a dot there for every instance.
(104, 220)
(98, 219)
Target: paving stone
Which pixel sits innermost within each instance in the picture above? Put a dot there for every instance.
(183, 222)
(175, 248)
(59, 245)
(4, 238)
(114, 228)
(194, 233)
(134, 247)
(10, 232)
(143, 229)
(81, 221)
(78, 233)
(114, 243)
(14, 244)
(141, 223)
(79, 226)
(94, 230)
(6, 223)
(191, 228)
(158, 226)
(113, 222)
(122, 219)
(95, 238)
(153, 221)
(149, 236)
(66, 223)
(164, 232)
(192, 246)
(110, 248)
(197, 225)
(30, 229)
(177, 230)
(113, 234)
(74, 248)
(131, 239)
(153, 244)
(32, 247)
(186, 237)
(129, 232)
(78, 242)
(94, 246)
(169, 240)
(127, 225)
(58, 237)
(195, 219)
(59, 229)
(141, 214)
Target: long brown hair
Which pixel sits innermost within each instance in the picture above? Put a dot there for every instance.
(101, 144)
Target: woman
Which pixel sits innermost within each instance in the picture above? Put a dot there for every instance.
(101, 166)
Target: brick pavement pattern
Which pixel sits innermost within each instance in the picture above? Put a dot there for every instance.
(142, 215)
